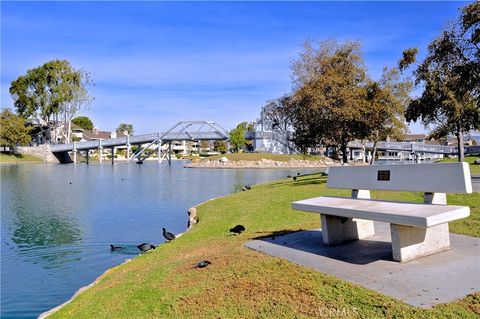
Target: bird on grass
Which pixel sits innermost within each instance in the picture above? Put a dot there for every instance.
(248, 187)
(168, 236)
(237, 229)
(202, 264)
(145, 247)
(298, 174)
(113, 247)
(294, 178)
(289, 176)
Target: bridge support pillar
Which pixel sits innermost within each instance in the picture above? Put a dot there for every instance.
(87, 156)
(74, 156)
(416, 158)
(169, 153)
(113, 155)
(129, 149)
(159, 151)
(100, 154)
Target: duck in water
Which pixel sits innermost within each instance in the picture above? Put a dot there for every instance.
(114, 248)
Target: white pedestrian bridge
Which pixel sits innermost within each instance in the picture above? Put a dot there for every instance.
(182, 131)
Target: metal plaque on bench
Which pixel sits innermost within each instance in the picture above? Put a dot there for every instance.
(383, 176)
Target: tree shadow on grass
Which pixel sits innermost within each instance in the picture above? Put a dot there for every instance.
(12, 154)
(314, 180)
(273, 235)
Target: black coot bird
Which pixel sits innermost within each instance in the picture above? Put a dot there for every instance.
(289, 176)
(294, 178)
(113, 247)
(247, 187)
(202, 264)
(237, 229)
(145, 247)
(298, 174)
(168, 236)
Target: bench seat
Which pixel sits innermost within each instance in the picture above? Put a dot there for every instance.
(400, 213)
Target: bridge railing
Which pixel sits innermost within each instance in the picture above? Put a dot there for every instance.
(408, 147)
(145, 138)
(61, 147)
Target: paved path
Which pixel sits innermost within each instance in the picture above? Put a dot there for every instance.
(424, 282)
(476, 183)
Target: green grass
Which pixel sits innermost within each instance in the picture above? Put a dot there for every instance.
(242, 283)
(259, 156)
(474, 169)
(14, 158)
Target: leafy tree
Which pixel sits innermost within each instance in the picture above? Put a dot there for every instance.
(308, 131)
(80, 101)
(52, 91)
(13, 131)
(450, 79)
(277, 113)
(83, 122)
(387, 100)
(204, 145)
(237, 137)
(331, 83)
(122, 127)
(220, 146)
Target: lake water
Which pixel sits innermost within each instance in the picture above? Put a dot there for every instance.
(57, 221)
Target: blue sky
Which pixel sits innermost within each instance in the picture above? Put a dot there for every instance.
(156, 63)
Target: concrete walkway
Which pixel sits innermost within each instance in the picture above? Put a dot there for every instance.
(425, 282)
(476, 183)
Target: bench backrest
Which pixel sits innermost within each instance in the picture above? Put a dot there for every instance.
(434, 178)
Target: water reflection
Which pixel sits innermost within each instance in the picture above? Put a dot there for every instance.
(31, 230)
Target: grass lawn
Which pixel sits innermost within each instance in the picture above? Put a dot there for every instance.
(242, 283)
(474, 169)
(259, 156)
(10, 158)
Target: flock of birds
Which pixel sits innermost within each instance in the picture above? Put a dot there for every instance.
(144, 247)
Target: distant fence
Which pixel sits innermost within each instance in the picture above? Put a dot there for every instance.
(472, 150)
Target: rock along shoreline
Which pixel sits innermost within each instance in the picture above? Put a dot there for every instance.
(261, 164)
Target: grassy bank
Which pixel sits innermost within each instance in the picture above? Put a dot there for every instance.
(16, 158)
(474, 169)
(242, 283)
(259, 156)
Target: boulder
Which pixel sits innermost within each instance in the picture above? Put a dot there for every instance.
(476, 162)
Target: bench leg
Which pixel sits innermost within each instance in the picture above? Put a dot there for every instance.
(410, 243)
(336, 230)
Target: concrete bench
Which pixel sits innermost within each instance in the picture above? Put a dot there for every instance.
(417, 230)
